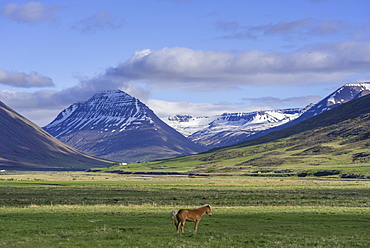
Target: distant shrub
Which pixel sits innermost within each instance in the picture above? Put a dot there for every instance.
(326, 173)
(354, 175)
(361, 157)
(302, 174)
(316, 150)
(318, 173)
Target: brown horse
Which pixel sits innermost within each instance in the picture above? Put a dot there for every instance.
(193, 215)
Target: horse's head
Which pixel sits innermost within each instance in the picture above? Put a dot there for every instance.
(209, 210)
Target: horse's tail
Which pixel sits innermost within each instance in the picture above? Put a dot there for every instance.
(173, 217)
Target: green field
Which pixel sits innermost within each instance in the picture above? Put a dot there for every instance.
(75, 209)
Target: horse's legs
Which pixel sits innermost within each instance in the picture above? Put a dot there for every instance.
(175, 223)
(182, 225)
(196, 225)
(178, 227)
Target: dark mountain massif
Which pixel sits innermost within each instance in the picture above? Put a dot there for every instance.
(25, 146)
(116, 126)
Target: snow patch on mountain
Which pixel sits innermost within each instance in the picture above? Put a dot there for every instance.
(224, 129)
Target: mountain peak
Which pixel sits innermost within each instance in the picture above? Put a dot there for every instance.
(106, 111)
(112, 94)
(116, 126)
(109, 97)
(366, 84)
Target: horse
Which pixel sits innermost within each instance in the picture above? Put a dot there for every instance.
(192, 215)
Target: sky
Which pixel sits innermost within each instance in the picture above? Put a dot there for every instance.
(197, 57)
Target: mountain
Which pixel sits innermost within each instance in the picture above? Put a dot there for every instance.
(342, 95)
(335, 142)
(116, 126)
(25, 146)
(233, 128)
(230, 128)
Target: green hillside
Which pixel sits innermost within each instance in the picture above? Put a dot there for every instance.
(336, 142)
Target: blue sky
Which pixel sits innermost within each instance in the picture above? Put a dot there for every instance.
(196, 57)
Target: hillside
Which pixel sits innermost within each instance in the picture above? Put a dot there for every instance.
(334, 142)
(344, 94)
(116, 126)
(232, 128)
(25, 146)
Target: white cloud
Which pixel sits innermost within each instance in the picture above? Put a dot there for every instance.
(98, 21)
(20, 79)
(179, 66)
(189, 69)
(163, 109)
(30, 12)
(276, 102)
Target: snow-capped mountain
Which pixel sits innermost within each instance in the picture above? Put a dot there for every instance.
(230, 128)
(116, 126)
(233, 128)
(342, 95)
(188, 124)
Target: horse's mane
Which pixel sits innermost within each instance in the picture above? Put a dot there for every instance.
(206, 205)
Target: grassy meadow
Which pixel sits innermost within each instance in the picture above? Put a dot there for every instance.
(80, 209)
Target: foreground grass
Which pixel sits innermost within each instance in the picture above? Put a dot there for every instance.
(108, 210)
(150, 226)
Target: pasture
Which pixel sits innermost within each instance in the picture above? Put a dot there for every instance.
(79, 209)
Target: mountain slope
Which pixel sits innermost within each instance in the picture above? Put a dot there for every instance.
(336, 141)
(232, 128)
(116, 126)
(344, 94)
(25, 146)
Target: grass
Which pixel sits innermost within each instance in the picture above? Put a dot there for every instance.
(150, 226)
(78, 209)
(279, 158)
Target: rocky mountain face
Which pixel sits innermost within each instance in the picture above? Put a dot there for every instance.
(116, 126)
(233, 128)
(25, 146)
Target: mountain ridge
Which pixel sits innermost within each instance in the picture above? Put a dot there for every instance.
(229, 128)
